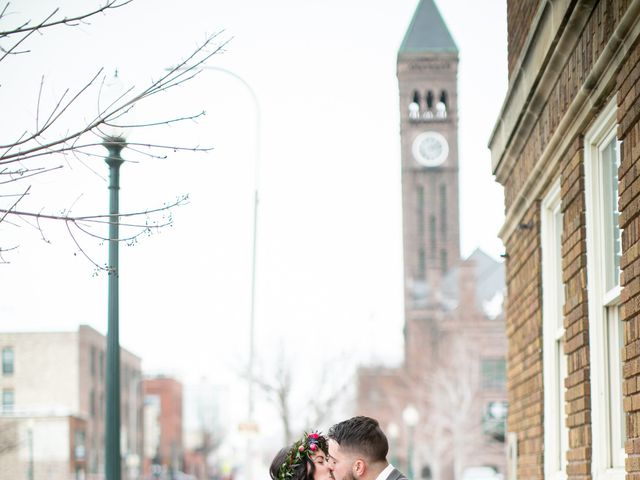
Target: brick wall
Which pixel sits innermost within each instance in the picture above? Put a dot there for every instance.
(524, 302)
(524, 330)
(520, 14)
(593, 39)
(576, 322)
(628, 84)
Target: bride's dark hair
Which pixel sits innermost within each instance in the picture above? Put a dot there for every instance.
(302, 471)
(295, 461)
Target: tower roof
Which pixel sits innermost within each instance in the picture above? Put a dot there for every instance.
(427, 31)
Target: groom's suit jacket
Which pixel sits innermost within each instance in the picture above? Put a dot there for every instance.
(396, 475)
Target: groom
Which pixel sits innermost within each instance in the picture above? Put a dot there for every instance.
(358, 451)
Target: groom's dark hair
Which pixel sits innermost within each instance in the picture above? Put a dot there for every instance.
(362, 435)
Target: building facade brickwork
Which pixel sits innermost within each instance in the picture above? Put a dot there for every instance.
(164, 394)
(554, 131)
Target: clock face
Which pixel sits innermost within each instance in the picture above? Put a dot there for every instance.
(430, 149)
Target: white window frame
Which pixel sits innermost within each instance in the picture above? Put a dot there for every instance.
(556, 433)
(607, 415)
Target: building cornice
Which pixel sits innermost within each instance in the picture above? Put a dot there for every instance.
(595, 90)
(543, 56)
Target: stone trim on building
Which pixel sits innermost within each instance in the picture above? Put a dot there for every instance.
(559, 86)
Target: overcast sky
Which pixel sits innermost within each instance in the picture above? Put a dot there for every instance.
(329, 256)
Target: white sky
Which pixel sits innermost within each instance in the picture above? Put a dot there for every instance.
(329, 271)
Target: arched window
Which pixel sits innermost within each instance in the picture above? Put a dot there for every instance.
(428, 112)
(414, 106)
(443, 97)
(441, 106)
(429, 100)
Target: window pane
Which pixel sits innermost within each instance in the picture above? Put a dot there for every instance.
(611, 162)
(7, 361)
(7, 400)
(494, 374)
(561, 432)
(617, 429)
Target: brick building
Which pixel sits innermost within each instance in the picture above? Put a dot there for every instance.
(566, 149)
(53, 405)
(453, 373)
(164, 448)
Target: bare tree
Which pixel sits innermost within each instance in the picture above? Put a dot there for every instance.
(57, 138)
(447, 397)
(318, 401)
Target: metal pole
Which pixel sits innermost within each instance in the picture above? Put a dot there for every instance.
(410, 455)
(250, 368)
(112, 421)
(30, 439)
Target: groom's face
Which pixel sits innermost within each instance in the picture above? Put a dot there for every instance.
(341, 462)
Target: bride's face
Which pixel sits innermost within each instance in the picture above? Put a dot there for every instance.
(321, 463)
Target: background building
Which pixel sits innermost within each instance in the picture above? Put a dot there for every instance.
(164, 450)
(55, 382)
(444, 407)
(565, 148)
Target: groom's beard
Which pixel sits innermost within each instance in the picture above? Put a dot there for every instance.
(350, 476)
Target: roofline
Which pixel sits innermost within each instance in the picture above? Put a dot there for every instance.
(404, 49)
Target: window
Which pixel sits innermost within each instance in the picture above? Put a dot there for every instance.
(420, 213)
(429, 97)
(92, 361)
(414, 106)
(602, 159)
(8, 400)
(422, 264)
(92, 403)
(432, 235)
(443, 211)
(556, 435)
(7, 361)
(493, 373)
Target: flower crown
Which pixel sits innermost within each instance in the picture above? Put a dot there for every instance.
(309, 444)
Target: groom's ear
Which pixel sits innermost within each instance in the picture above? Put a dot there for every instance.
(359, 468)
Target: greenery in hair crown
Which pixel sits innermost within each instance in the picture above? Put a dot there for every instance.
(309, 444)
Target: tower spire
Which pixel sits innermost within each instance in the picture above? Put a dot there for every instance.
(427, 31)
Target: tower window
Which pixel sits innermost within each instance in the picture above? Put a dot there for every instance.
(443, 211)
(432, 235)
(441, 106)
(443, 260)
(420, 212)
(428, 113)
(422, 265)
(443, 97)
(414, 106)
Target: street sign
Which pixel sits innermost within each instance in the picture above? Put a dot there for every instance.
(248, 427)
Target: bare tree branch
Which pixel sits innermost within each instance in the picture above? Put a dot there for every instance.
(25, 157)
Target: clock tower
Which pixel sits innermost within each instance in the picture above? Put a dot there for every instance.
(453, 341)
(427, 76)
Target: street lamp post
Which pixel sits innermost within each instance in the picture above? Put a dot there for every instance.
(393, 431)
(114, 145)
(410, 416)
(251, 426)
(30, 425)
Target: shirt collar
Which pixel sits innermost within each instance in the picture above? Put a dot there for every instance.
(385, 473)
